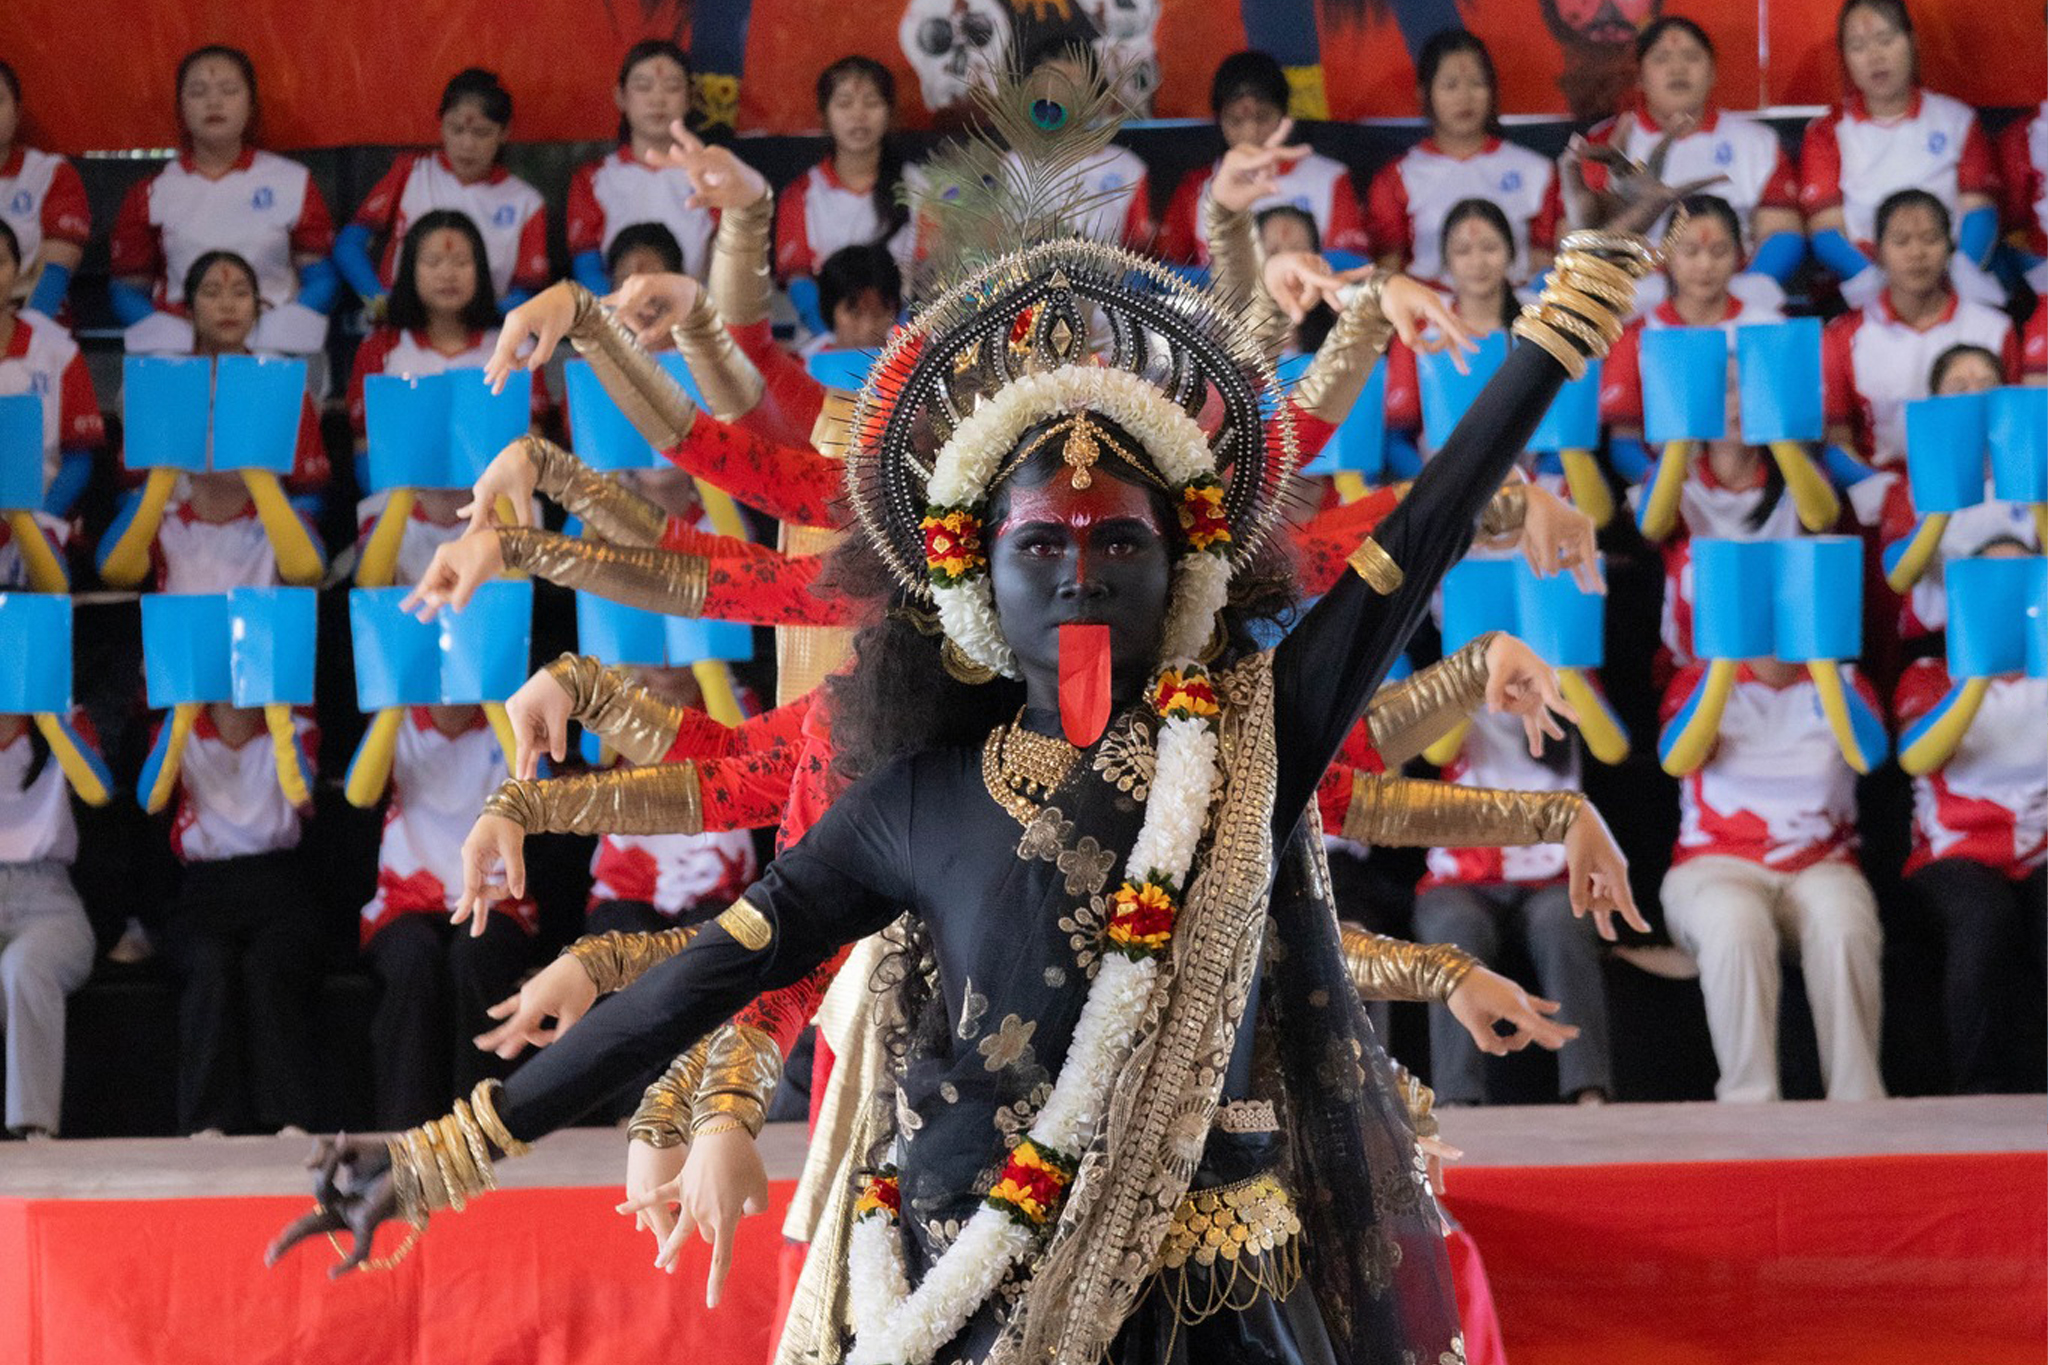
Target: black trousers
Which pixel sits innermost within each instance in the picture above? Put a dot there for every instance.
(1992, 983)
(243, 936)
(438, 983)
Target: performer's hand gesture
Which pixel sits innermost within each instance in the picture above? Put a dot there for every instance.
(650, 1173)
(493, 869)
(1248, 174)
(353, 1194)
(651, 304)
(1519, 683)
(722, 1182)
(539, 712)
(544, 319)
(562, 991)
(460, 567)
(1634, 195)
(1436, 1151)
(510, 477)
(1599, 874)
(1485, 998)
(1556, 535)
(720, 179)
(1422, 318)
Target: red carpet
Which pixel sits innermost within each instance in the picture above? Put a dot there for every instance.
(1864, 1259)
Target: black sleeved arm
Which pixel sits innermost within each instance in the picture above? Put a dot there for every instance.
(1329, 666)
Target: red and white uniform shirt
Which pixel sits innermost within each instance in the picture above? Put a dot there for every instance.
(1496, 754)
(674, 873)
(816, 215)
(1989, 802)
(387, 350)
(1316, 185)
(1708, 508)
(618, 191)
(1776, 789)
(1746, 155)
(1408, 201)
(265, 209)
(508, 214)
(1924, 609)
(229, 802)
(1854, 162)
(438, 783)
(2023, 175)
(42, 199)
(42, 359)
(36, 823)
(1873, 364)
(1621, 374)
(194, 556)
(1116, 193)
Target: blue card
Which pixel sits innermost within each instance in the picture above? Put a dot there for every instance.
(1359, 444)
(2017, 428)
(1733, 596)
(2037, 622)
(1987, 614)
(407, 421)
(1572, 421)
(185, 648)
(21, 451)
(397, 655)
(1479, 595)
(603, 437)
(273, 631)
(35, 653)
(482, 423)
(1446, 394)
(692, 642)
(485, 646)
(1819, 600)
(1779, 368)
(618, 634)
(837, 369)
(1562, 623)
(165, 401)
(1685, 384)
(257, 405)
(1945, 440)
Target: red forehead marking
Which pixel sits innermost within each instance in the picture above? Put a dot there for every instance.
(1059, 502)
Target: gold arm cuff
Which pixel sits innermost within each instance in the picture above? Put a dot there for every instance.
(1376, 567)
(663, 1118)
(834, 427)
(616, 960)
(1237, 270)
(1385, 968)
(749, 927)
(615, 512)
(1506, 511)
(644, 576)
(639, 725)
(729, 381)
(1405, 718)
(742, 1066)
(1344, 360)
(483, 1102)
(1532, 328)
(1408, 812)
(661, 799)
(740, 282)
(646, 393)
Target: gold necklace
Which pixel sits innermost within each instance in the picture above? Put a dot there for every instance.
(1022, 768)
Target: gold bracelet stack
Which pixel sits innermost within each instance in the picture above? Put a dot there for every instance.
(613, 511)
(648, 395)
(1408, 812)
(742, 1066)
(664, 798)
(443, 1164)
(1591, 292)
(1506, 511)
(616, 960)
(730, 382)
(1406, 717)
(663, 1118)
(739, 280)
(643, 576)
(640, 726)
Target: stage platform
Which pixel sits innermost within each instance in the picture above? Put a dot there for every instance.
(1908, 1230)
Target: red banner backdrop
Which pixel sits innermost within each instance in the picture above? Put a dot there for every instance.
(98, 73)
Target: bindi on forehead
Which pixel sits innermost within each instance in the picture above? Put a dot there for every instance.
(1058, 502)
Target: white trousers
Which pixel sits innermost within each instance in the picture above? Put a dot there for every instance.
(1735, 917)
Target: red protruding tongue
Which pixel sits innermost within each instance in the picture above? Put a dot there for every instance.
(1084, 682)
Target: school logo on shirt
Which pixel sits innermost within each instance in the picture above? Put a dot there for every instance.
(1112, 182)
(1511, 182)
(1936, 141)
(21, 203)
(263, 198)
(503, 217)
(1724, 154)
(39, 385)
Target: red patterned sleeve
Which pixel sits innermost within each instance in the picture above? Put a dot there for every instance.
(1543, 227)
(797, 486)
(530, 269)
(310, 470)
(1977, 168)
(783, 1014)
(1404, 388)
(757, 585)
(701, 737)
(1621, 380)
(746, 791)
(1327, 539)
(792, 399)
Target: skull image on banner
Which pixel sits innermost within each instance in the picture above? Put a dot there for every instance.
(953, 43)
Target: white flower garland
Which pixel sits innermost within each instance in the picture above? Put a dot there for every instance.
(896, 1325)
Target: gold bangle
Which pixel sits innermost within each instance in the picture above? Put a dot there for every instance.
(1561, 299)
(433, 1189)
(715, 1124)
(1371, 562)
(1593, 339)
(484, 1104)
(1608, 283)
(479, 1149)
(1531, 328)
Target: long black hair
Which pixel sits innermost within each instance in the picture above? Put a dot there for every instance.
(889, 209)
(897, 699)
(406, 310)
